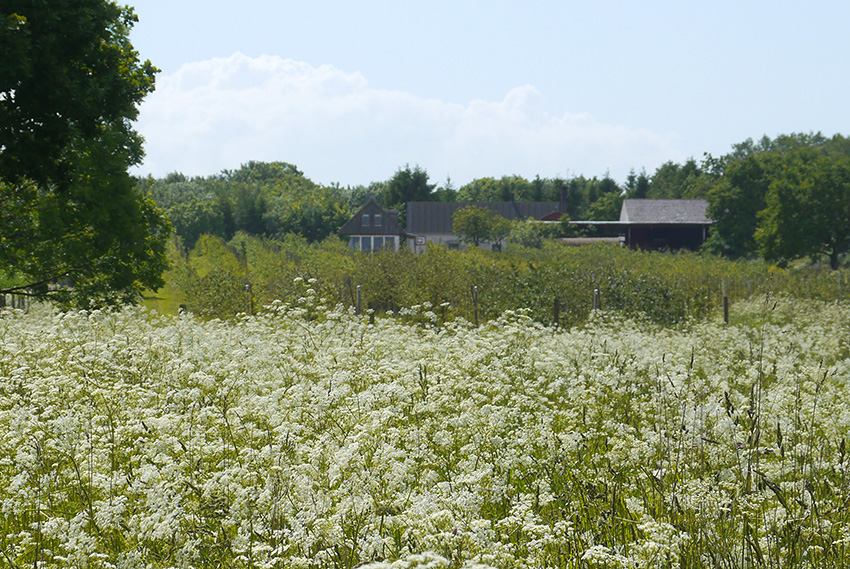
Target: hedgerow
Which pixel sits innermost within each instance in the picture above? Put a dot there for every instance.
(666, 288)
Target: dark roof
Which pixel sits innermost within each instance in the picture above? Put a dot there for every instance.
(389, 221)
(664, 211)
(436, 217)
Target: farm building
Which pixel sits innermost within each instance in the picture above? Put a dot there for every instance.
(643, 224)
(660, 224)
(651, 225)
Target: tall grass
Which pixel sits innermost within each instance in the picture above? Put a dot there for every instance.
(306, 437)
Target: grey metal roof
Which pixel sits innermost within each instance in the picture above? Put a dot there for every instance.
(436, 217)
(664, 211)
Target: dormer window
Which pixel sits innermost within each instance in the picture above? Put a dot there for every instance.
(365, 222)
(377, 220)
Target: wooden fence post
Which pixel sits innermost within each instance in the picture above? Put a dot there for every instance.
(725, 305)
(475, 303)
(357, 306)
(249, 304)
(596, 299)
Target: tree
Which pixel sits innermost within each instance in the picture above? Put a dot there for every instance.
(263, 172)
(75, 228)
(249, 209)
(741, 182)
(475, 224)
(504, 189)
(532, 233)
(637, 185)
(807, 209)
(271, 199)
(734, 202)
(673, 181)
(576, 193)
(445, 193)
(606, 208)
(408, 185)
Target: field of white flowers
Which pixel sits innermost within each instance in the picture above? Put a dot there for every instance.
(306, 437)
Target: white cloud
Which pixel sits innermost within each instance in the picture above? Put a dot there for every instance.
(217, 114)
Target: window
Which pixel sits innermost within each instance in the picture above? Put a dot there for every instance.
(365, 222)
(373, 243)
(377, 220)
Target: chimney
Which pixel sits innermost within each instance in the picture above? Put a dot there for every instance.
(562, 203)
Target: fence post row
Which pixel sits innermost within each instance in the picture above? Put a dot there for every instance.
(21, 301)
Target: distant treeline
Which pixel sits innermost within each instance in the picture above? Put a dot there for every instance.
(276, 199)
(781, 198)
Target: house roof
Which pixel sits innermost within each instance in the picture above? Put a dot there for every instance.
(664, 211)
(436, 217)
(388, 225)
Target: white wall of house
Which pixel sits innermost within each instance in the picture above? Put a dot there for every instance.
(449, 240)
(370, 243)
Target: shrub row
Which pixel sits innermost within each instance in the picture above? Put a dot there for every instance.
(211, 280)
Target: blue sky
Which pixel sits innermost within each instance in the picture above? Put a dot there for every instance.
(351, 91)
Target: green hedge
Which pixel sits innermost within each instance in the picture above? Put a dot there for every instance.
(666, 288)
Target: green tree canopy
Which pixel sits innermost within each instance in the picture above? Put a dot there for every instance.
(606, 208)
(761, 189)
(408, 185)
(676, 181)
(264, 199)
(637, 185)
(74, 226)
(531, 232)
(807, 209)
(475, 225)
(504, 189)
(734, 202)
(263, 172)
